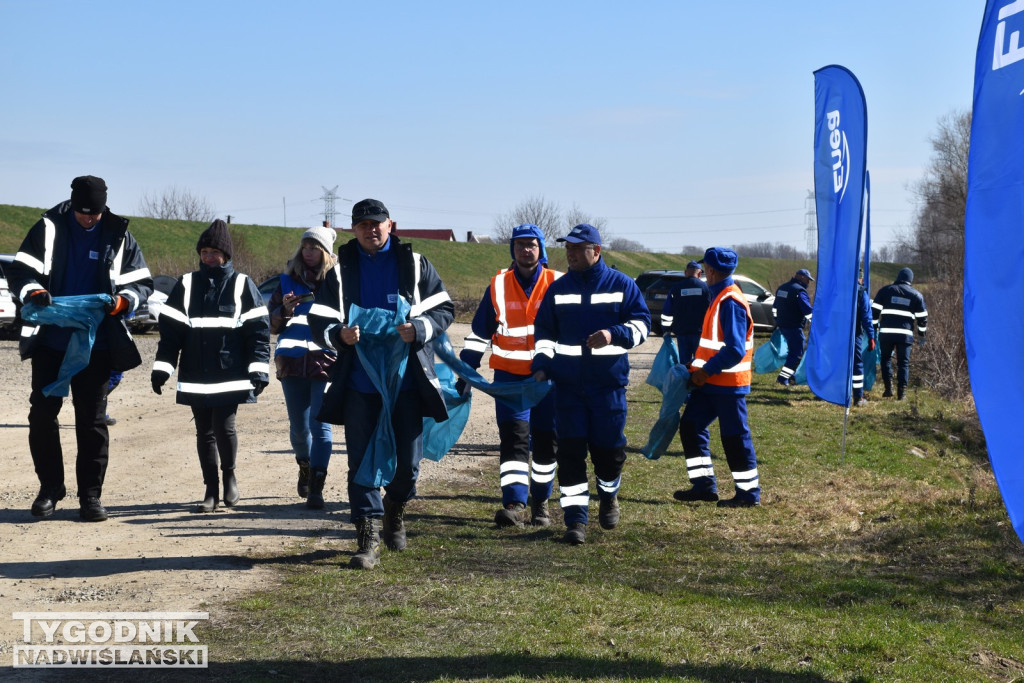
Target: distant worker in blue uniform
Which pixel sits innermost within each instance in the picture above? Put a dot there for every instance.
(720, 379)
(865, 327)
(683, 314)
(504, 322)
(792, 307)
(587, 323)
(896, 310)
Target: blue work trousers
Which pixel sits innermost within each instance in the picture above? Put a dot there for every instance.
(595, 421)
(702, 408)
(311, 438)
(688, 344)
(521, 432)
(794, 337)
(362, 411)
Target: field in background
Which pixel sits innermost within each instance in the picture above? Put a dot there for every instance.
(465, 268)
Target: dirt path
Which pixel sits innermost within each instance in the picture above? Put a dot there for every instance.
(153, 554)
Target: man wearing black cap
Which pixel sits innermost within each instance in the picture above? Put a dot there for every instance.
(720, 382)
(684, 311)
(77, 247)
(373, 271)
(896, 309)
(792, 307)
(587, 322)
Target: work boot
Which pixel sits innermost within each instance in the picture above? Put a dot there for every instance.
(303, 486)
(368, 553)
(575, 534)
(317, 478)
(90, 510)
(737, 502)
(209, 503)
(901, 392)
(230, 489)
(394, 524)
(888, 388)
(513, 514)
(608, 513)
(695, 495)
(539, 515)
(46, 502)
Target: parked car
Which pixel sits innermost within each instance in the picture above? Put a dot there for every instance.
(655, 286)
(8, 305)
(268, 286)
(147, 316)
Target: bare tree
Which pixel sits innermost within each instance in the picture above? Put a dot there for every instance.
(176, 204)
(623, 244)
(939, 237)
(545, 214)
(576, 215)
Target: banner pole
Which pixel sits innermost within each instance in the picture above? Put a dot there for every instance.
(846, 417)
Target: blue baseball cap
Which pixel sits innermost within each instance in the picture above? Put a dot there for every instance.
(693, 264)
(722, 259)
(527, 230)
(805, 273)
(584, 232)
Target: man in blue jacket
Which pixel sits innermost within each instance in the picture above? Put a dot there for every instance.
(373, 271)
(897, 308)
(684, 311)
(864, 327)
(78, 247)
(792, 307)
(587, 322)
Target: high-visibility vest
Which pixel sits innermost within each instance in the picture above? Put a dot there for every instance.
(512, 347)
(711, 341)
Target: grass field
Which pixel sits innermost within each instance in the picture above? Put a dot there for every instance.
(895, 564)
(261, 251)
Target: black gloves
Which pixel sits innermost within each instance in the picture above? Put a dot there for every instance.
(461, 387)
(40, 297)
(258, 383)
(158, 378)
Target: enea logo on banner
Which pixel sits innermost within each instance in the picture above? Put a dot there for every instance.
(1001, 55)
(112, 640)
(840, 153)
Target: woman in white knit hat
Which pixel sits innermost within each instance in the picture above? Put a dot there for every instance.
(302, 366)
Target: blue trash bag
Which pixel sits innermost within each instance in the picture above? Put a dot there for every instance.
(674, 394)
(870, 359)
(518, 396)
(384, 357)
(439, 437)
(667, 357)
(800, 376)
(771, 356)
(83, 314)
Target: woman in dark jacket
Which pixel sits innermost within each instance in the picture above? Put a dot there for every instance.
(302, 365)
(214, 329)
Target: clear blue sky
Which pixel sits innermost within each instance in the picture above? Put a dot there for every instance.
(687, 122)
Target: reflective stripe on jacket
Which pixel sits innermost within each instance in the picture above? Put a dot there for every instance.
(712, 339)
(296, 340)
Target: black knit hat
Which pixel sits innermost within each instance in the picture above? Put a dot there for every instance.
(216, 237)
(88, 194)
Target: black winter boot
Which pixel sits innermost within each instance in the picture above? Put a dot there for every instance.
(539, 515)
(230, 489)
(901, 392)
(317, 478)
(211, 477)
(368, 553)
(394, 524)
(888, 388)
(303, 485)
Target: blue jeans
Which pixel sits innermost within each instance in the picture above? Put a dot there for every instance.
(898, 344)
(311, 439)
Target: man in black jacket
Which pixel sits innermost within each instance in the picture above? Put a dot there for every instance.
(896, 310)
(78, 247)
(374, 270)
